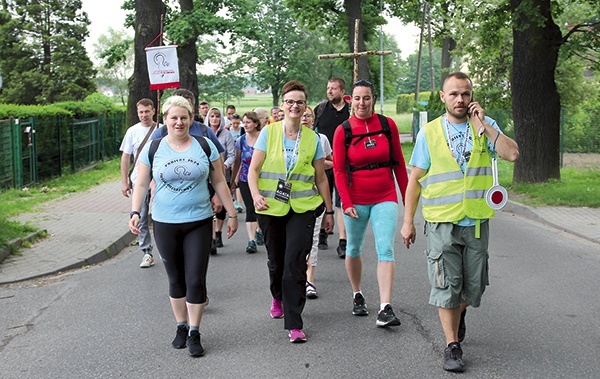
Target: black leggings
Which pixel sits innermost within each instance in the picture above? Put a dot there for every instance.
(184, 249)
(248, 202)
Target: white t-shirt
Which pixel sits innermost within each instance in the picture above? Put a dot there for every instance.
(131, 143)
(325, 145)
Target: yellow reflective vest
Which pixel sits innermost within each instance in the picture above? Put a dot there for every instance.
(448, 195)
(304, 193)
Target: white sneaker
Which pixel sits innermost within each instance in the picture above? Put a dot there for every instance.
(147, 261)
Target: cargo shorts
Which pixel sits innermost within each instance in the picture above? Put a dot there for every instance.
(457, 263)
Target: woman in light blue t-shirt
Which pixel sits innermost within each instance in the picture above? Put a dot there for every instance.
(182, 214)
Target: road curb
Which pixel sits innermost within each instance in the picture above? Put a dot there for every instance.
(112, 250)
(18, 242)
(529, 212)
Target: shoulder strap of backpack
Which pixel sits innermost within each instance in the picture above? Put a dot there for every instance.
(163, 131)
(385, 126)
(152, 151)
(318, 112)
(204, 129)
(347, 140)
(205, 147)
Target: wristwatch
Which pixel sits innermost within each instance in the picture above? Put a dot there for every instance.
(132, 213)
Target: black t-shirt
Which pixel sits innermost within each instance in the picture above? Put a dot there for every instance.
(330, 119)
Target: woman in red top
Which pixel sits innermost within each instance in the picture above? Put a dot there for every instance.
(366, 173)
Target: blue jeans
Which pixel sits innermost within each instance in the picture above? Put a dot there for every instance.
(144, 238)
(384, 219)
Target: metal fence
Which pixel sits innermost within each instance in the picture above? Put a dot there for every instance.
(37, 149)
(579, 129)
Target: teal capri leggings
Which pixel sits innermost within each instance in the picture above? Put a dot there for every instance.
(384, 218)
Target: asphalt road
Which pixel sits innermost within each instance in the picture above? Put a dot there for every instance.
(538, 318)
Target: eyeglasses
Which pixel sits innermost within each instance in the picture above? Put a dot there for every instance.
(290, 103)
(308, 115)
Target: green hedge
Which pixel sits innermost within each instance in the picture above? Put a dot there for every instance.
(92, 106)
(405, 102)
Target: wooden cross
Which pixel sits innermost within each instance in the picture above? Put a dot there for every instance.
(356, 53)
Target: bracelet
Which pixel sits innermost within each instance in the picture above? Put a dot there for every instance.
(329, 213)
(232, 216)
(133, 213)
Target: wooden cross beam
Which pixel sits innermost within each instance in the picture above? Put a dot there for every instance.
(356, 53)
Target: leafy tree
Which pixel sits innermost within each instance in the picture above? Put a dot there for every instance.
(44, 60)
(513, 50)
(115, 52)
(537, 40)
(273, 54)
(391, 66)
(205, 18)
(221, 87)
(337, 18)
(407, 81)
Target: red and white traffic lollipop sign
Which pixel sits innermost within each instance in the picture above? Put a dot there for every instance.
(496, 197)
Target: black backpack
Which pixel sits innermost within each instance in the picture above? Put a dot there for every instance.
(202, 140)
(385, 126)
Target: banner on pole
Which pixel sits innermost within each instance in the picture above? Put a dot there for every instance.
(163, 67)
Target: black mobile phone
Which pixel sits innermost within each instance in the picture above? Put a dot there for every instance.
(469, 108)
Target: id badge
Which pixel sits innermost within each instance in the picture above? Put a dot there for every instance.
(370, 144)
(284, 190)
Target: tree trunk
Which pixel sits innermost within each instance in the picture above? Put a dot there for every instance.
(147, 27)
(275, 96)
(535, 99)
(188, 56)
(354, 12)
(448, 45)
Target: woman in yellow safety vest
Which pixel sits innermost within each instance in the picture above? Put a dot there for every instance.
(290, 190)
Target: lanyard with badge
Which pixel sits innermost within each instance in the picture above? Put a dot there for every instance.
(464, 155)
(284, 187)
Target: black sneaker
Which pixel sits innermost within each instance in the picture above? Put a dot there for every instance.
(453, 358)
(462, 328)
(180, 337)
(194, 345)
(218, 239)
(360, 308)
(259, 238)
(323, 240)
(386, 317)
(341, 249)
(251, 249)
(213, 248)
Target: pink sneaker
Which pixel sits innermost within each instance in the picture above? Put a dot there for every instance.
(297, 336)
(276, 309)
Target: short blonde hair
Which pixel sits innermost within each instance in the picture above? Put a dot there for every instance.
(176, 101)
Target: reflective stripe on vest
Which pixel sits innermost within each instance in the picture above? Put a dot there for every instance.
(304, 194)
(448, 195)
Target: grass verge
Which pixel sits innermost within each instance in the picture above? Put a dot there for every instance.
(14, 202)
(577, 187)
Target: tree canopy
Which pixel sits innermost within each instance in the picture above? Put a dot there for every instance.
(43, 59)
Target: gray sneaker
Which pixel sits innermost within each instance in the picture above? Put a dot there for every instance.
(453, 358)
(147, 261)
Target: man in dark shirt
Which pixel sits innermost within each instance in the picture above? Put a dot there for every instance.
(328, 116)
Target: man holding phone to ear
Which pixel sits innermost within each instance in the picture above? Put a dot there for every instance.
(451, 172)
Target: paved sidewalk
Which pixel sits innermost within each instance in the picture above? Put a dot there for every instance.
(83, 229)
(87, 228)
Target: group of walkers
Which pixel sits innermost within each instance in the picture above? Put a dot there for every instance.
(286, 170)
